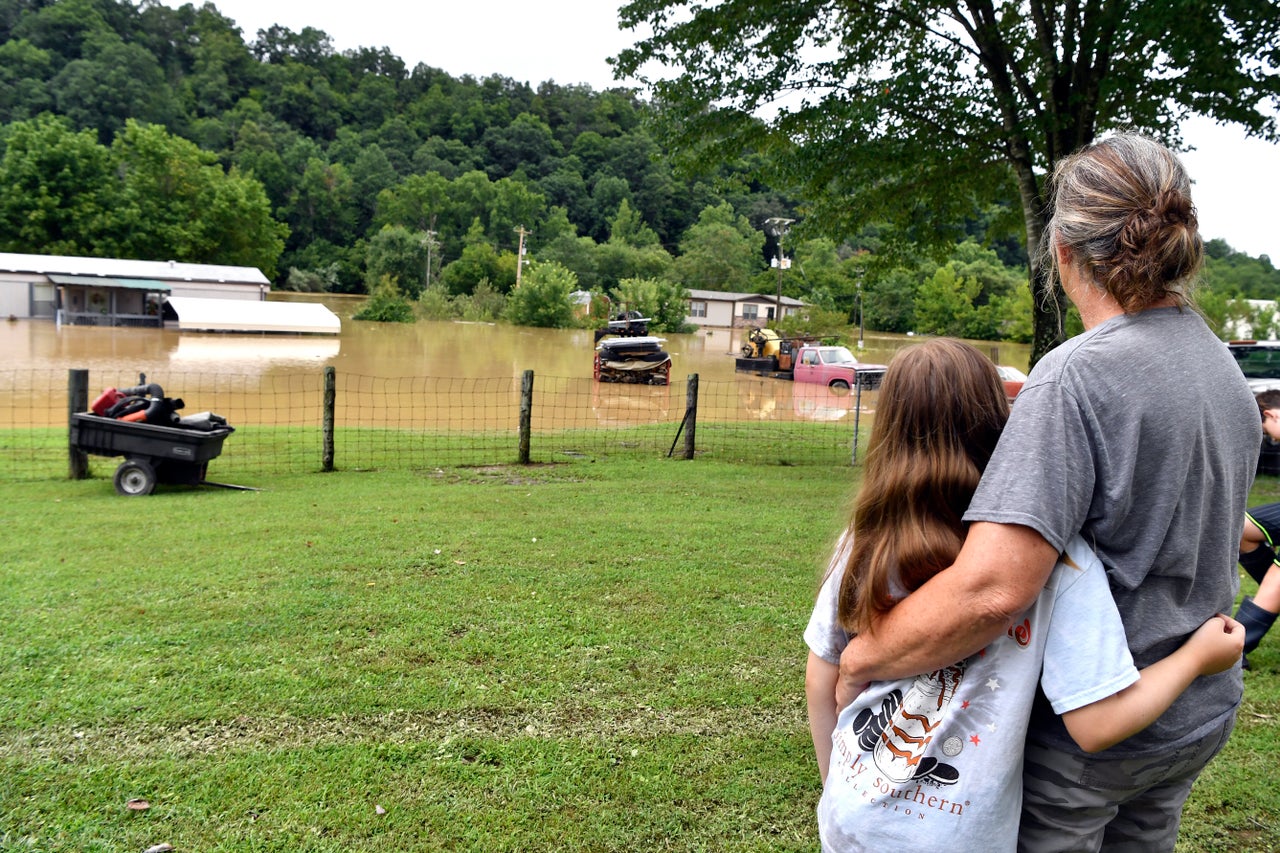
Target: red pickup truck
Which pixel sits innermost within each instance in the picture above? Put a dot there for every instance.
(834, 367)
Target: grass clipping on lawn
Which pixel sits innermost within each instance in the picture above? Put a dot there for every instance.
(581, 656)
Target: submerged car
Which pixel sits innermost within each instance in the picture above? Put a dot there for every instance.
(1012, 378)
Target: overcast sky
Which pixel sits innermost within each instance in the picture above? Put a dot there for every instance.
(1237, 179)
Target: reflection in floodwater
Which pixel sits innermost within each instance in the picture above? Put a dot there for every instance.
(631, 405)
(234, 353)
(783, 400)
(813, 402)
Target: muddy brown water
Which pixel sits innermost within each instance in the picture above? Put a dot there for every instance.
(36, 354)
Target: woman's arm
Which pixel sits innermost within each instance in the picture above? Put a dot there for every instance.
(999, 572)
(820, 689)
(1214, 647)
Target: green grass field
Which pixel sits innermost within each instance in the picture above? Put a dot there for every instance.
(580, 656)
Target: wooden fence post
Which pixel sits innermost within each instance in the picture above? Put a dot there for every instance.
(526, 414)
(691, 415)
(330, 399)
(77, 401)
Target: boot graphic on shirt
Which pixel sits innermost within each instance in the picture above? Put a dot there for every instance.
(900, 733)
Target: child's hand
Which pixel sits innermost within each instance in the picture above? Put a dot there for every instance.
(1218, 644)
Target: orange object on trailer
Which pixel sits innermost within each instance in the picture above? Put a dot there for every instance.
(106, 400)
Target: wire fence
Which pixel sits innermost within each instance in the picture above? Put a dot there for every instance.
(413, 423)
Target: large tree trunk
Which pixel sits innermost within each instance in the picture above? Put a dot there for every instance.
(1049, 303)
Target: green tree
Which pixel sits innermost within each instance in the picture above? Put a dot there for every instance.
(417, 203)
(567, 188)
(322, 280)
(256, 151)
(23, 71)
(1016, 313)
(386, 304)
(559, 242)
(322, 204)
(615, 261)
(542, 299)
(113, 83)
(514, 205)
(483, 304)
(720, 252)
(398, 255)
(665, 303)
(608, 192)
(222, 68)
(992, 286)
(151, 196)
(236, 223)
(59, 187)
(478, 262)
(371, 173)
(921, 113)
(61, 28)
(628, 228)
(888, 300)
(821, 278)
(944, 303)
(471, 199)
(526, 141)
(177, 202)
(1228, 269)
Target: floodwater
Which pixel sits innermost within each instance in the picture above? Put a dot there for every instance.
(33, 354)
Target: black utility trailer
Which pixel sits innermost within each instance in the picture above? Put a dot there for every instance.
(153, 453)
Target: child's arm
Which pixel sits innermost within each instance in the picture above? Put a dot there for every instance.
(820, 689)
(1214, 647)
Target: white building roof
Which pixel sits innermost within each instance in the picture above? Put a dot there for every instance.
(729, 296)
(124, 268)
(242, 315)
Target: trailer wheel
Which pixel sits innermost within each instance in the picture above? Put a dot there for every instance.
(135, 477)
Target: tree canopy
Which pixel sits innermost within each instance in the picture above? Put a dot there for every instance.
(920, 113)
(148, 195)
(163, 133)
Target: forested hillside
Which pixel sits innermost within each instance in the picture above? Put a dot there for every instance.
(158, 133)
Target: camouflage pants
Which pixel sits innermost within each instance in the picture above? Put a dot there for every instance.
(1086, 803)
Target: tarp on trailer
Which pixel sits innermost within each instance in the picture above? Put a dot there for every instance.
(104, 281)
(245, 315)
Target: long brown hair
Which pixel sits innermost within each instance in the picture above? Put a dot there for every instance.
(939, 415)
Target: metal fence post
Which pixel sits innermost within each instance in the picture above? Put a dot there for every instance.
(330, 401)
(77, 401)
(691, 415)
(870, 380)
(526, 414)
(857, 412)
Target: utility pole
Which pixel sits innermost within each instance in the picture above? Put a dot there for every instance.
(777, 228)
(519, 229)
(431, 242)
(861, 271)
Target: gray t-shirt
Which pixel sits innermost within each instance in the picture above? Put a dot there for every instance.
(1140, 434)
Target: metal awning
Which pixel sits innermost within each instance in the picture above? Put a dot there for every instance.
(247, 315)
(107, 281)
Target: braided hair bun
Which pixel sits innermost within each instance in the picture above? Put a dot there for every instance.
(1123, 208)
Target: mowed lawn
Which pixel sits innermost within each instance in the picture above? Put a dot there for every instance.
(586, 656)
